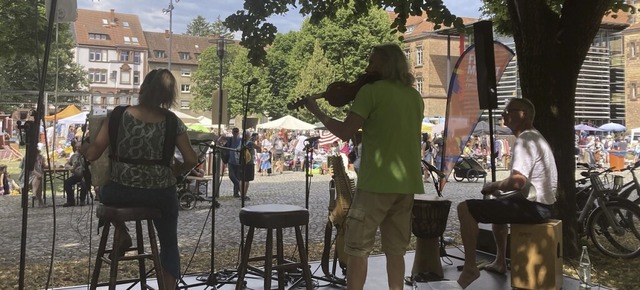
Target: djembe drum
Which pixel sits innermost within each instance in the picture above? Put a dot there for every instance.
(430, 215)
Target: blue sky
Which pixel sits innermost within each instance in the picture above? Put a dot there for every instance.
(153, 19)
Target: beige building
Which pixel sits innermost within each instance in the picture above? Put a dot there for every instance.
(186, 51)
(112, 49)
(632, 78)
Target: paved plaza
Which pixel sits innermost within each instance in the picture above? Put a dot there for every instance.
(72, 224)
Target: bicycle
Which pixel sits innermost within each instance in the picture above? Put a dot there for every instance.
(625, 190)
(611, 222)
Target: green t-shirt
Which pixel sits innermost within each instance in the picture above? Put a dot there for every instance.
(390, 138)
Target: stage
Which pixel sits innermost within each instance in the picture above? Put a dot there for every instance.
(377, 277)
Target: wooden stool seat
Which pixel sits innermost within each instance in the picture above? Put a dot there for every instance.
(278, 217)
(201, 181)
(112, 214)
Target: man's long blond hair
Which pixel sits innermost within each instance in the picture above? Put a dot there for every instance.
(397, 67)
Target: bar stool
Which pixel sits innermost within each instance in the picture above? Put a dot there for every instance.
(270, 217)
(111, 214)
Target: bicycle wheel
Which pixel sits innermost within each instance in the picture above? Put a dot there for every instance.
(456, 177)
(187, 201)
(472, 175)
(623, 242)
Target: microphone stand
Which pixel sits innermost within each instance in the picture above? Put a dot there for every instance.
(212, 280)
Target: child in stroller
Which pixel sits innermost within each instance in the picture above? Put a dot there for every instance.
(188, 195)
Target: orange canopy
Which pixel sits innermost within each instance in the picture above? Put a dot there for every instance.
(69, 111)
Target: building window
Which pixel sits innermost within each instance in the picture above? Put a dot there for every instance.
(410, 28)
(97, 75)
(184, 104)
(136, 57)
(159, 54)
(633, 92)
(98, 36)
(125, 24)
(124, 56)
(134, 40)
(136, 77)
(97, 55)
(185, 88)
(185, 73)
(632, 49)
(419, 55)
(127, 40)
(125, 77)
(419, 85)
(184, 55)
(105, 21)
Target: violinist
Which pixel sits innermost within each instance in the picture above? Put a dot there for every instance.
(390, 113)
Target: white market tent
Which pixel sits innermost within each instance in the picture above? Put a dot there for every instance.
(75, 119)
(287, 122)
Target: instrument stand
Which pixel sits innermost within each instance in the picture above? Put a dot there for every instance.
(308, 166)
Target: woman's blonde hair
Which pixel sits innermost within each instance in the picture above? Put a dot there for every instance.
(158, 89)
(395, 63)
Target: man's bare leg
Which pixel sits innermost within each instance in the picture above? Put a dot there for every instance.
(395, 272)
(469, 234)
(500, 236)
(356, 272)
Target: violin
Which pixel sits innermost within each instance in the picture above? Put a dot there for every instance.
(338, 93)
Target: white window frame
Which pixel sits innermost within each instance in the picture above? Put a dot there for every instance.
(159, 54)
(136, 77)
(184, 104)
(97, 55)
(185, 88)
(127, 39)
(125, 77)
(136, 57)
(125, 55)
(125, 24)
(184, 55)
(419, 83)
(633, 92)
(185, 73)
(134, 40)
(419, 55)
(105, 21)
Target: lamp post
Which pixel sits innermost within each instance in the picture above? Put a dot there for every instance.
(221, 43)
(170, 11)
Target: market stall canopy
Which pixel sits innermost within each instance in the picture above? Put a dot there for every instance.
(326, 138)
(186, 118)
(585, 127)
(80, 118)
(612, 127)
(70, 110)
(287, 122)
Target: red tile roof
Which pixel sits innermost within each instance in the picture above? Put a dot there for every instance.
(180, 43)
(421, 25)
(91, 21)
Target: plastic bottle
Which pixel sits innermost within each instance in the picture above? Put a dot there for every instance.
(584, 270)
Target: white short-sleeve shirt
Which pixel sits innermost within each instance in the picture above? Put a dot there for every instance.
(532, 156)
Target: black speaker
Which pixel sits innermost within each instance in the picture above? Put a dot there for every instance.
(485, 65)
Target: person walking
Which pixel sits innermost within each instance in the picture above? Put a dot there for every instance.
(390, 113)
(139, 175)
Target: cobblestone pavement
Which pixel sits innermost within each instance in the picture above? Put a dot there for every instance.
(72, 224)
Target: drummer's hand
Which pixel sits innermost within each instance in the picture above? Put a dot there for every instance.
(311, 104)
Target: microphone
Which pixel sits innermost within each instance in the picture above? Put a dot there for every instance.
(253, 81)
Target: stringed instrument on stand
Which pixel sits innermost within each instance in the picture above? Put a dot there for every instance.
(341, 192)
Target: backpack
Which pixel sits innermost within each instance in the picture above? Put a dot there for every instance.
(169, 139)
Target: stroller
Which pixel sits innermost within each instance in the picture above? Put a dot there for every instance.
(468, 168)
(186, 196)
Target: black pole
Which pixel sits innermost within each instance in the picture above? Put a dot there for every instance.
(492, 146)
(32, 139)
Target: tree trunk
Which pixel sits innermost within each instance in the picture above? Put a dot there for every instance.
(550, 51)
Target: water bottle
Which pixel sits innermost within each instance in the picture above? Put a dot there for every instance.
(584, 270)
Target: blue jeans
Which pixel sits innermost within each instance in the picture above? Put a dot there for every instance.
(234, 175)
(68, 188)
(164, 199)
